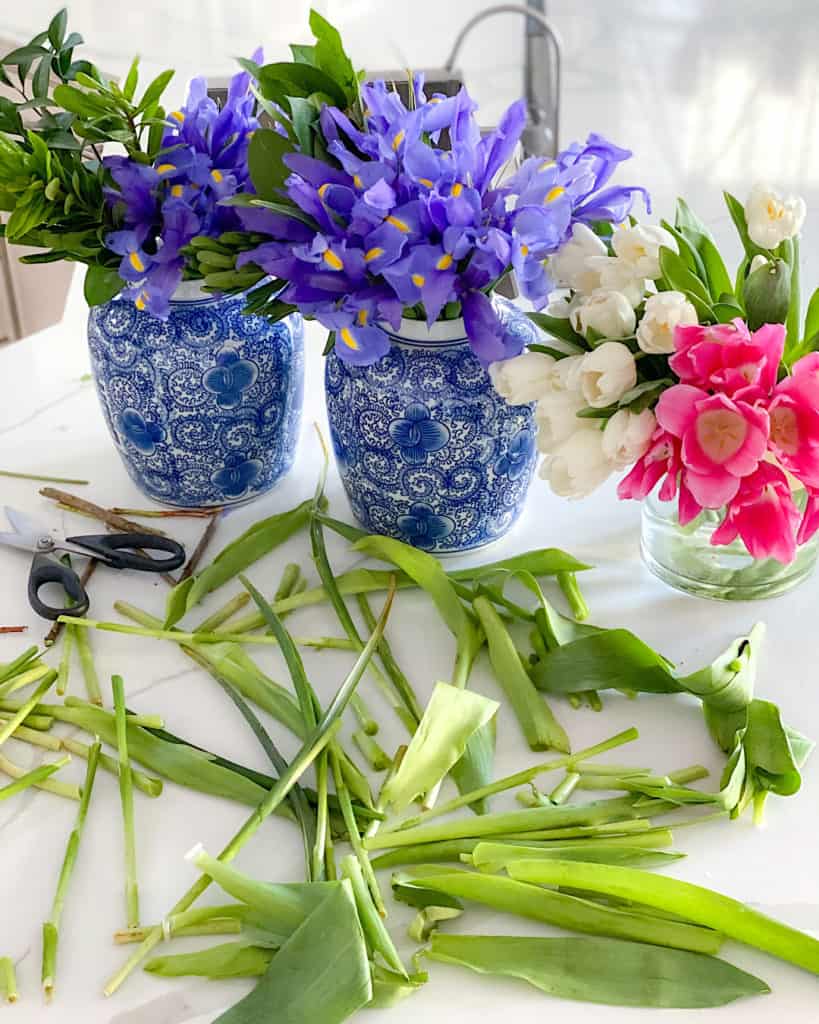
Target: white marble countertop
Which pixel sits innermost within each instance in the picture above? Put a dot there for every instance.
(50, 423)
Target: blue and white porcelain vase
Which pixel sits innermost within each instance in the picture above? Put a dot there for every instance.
(204, 407)
(427, 450)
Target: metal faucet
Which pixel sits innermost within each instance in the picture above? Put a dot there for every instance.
(542, 73)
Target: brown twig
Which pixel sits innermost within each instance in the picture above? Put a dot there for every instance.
(13, 629)
(54, 632)
(102, 514)
(201, 547)
(175, 513)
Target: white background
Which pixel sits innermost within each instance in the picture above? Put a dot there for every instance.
(709, 96)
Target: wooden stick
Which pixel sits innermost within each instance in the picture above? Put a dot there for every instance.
(201, 547)
(13, 629)
(89, 508)
(168, 513)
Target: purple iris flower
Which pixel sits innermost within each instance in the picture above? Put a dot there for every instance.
(158, 209)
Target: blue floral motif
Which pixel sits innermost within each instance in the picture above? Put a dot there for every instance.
(143, 434)
(230, 378)
(417, 434)
(204, 407)
(518, 455)
(427, 450)
(237, 475)
(423, 528)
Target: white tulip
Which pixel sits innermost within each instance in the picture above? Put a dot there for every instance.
(579, 466)
(566, 308)
(607, 373)
(607, 313)
(663, 313)
(616, 275)
(772, 218)
(565, 375)
(556, 418)
(523, 379)
(568, 267)
(627, 436)
(638, 246)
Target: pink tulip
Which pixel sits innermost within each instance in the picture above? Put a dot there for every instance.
(810, 519)
(763, 514)
(723, 440)
(661, 460)
(794, 416)
(729, 359)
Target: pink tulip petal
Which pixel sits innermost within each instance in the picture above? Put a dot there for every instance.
(810, 519)
(725, 533)
(712, 490)
(676, 410)
(687, 508)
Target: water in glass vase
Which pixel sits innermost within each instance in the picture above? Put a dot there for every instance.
(684, 558)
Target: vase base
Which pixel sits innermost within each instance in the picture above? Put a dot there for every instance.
(722, 588)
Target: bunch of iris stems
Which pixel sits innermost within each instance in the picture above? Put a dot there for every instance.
(349, 811)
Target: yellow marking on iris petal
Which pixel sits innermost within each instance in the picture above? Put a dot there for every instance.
(368, 112)
(177, 191)
(457, 188)
(399, 138)
(554, 193)
(435, 99)
(373, 254)
(546, 165)
(524, 250)
(348, 339)
(419, 280)
(139, 301)
(402, 225)
(323, 189)
(357, 181)
(136, 262)
(332, 260)
(177, 115)
(444, 263)
(164, 168)
(425, 181)
(217, 175)
(362, 317)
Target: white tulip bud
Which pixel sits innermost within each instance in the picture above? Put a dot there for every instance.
(523, 379)
(627, 436)
(556, 418)
(565, 375)
(607, 374)
(568, 267)
(616, 275)
(663, 313)
(772, 218)
(579, 466)
(609, 314)
(638, 246)
(758, 261)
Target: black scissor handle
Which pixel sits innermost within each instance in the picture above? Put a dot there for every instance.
(114, 550)
(45, 569)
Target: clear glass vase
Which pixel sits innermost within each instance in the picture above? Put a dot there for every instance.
(684, 558)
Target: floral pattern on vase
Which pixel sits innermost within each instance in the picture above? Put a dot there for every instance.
(427, 450)
(204, 407)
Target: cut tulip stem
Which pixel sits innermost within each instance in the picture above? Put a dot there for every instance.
(149, 785)
(89, 670)
(567, 581)
(8, 979)
(51, 928)
(32, 778)
(28, 706)
(126, 793)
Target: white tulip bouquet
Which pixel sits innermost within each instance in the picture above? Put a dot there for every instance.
(665, 365)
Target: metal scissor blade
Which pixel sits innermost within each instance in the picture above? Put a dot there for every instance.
(18, 540)
(26, 525)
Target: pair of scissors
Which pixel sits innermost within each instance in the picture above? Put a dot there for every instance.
(27, 534)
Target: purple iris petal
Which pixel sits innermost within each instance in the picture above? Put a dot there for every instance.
(612, 204)
(315, 172)
(488, 338)
(266, 222)
(497, 148)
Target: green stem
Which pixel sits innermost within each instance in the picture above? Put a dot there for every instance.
(45, 783)
(567, 582)
(36, 737)
(354, 836)
(377, 758)
(146, 783)
(8, 979)
(89, 671)
(65, 662)
(311, 748)
(317, 870)
(23, 679)
(378, 938)
(126, 794)
(32, 778)
(401, 684)
(522, 778)
(564, 789)
(19, 664)
(42, 479)
(221, 615)
(51, 928)
(216, 926)
(20, 716)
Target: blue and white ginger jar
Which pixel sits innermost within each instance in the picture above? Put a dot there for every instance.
(427, 450)
(204, 407)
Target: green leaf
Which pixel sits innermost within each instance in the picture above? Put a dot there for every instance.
(10, 120)
(559, 327)
(267, 168)
(26, 216)
(304, 118)
(84, 104)
(154, 91)
(256, 542)
(332, 58)
(101, 285)
(811, 316)
(250, 66)
(540, 562)
(450, 719)
(598, 970)
(770, 758)
(229, 960)
(688, 222)
(321, 974)
(303, 54)
(737, 211)
(693, 902)
(42, 79)
(725, 312)
(767, 294)
(57, 27)
(24, 55)
(282, 80)
(131, 80)
(719, 280)
(682, 280)
(687, 250)
(494, 857)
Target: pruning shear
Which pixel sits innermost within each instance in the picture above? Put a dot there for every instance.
(28, 534)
